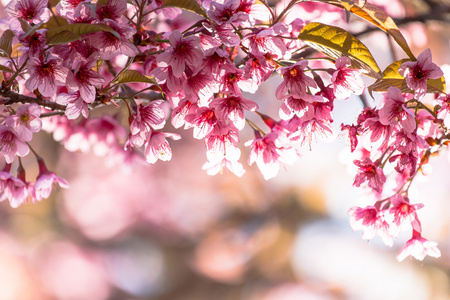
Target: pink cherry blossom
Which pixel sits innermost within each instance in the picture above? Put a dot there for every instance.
(84, 79)
(157, 147)
(214, 168)
(377, 133)
(372, 222)
(310, 130)
(179, 113)
(218, 63)
(110, 44)
(295, 81)
(404, 214)
(232, 108)
(165, 75)
(444, 112)
(258, 70)
(33, 43)
(394, 111)
(75, 105)
(224, 33)
(269, 153)
(417, 73)
(200, 87)
(234, 82)
(346, 81)
(264, 41)
(224, 13)
(111, 10)
(45, 182)
(65, 7)
(203, 120)
(370, 172)
(304, 110)
(183, 52)
(146, 118)
(46, 73)
(406, 162)
(33, 11)
(12, 188)
(418, 247)
(221, 143)
(11, 145)
(352, 134)
(26, 121)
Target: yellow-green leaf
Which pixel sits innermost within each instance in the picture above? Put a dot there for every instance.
(134, 76)
(98, 65)
(79, 29)
(6, 43)
(54, 21)
(436, 85)
(190, 5)
(27, 29)
(391, 77)
(6, 69)
(336, 42)
(379, 18)
(376, 16)
(62, 38)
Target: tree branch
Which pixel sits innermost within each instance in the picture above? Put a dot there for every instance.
(10, 97)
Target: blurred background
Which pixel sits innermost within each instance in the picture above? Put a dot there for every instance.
(170, 232)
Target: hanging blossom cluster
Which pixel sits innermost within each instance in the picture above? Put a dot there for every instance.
(402, 132)
(80, 55)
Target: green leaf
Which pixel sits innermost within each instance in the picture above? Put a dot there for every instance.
(436, 85)
(190, 5)
(376, 16)
(6, 69)
(134, 76)
(6, 43)
(336, 42)
(27, 29)
(55, 21)
(391, 77)
(79, 29)
(379, 18)
(62, 38)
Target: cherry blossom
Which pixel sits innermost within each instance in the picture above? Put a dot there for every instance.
(418, 247)
(84, 79)
(11, 145)
(417, 73)
(12, 188)
(346, 81)
(157, 146)
(394, 111)
(26, 121)
(33, 11)
(146, 118)
(269, 153)
(404, 214)
(372, 222)
(371, 172)
(45, 182)
(184, 52)
(232, 108)
(46, 74)
(295, 81)
(117, 77)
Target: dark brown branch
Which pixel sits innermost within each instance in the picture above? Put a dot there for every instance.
(10, 97)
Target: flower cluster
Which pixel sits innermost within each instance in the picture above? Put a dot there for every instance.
(131, 56)
(402, 132)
